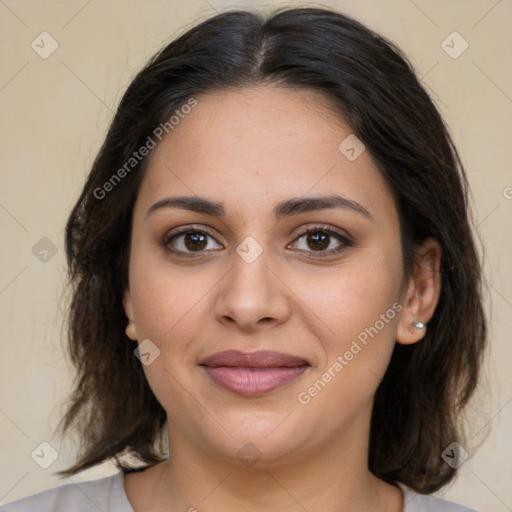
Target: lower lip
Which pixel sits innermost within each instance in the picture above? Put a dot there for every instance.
(253, 381)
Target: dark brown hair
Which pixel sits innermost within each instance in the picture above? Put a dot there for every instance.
(371, 83)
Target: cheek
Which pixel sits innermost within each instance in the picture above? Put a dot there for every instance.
(354, 314)
(165, 298)
(344, 385)
(169, 310)
(349, 300)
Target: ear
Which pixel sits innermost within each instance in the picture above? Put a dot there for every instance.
(422, 295)
(131, 329)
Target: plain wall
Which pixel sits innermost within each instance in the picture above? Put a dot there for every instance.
(55, 113)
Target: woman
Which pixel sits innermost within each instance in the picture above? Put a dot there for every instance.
(277, 296)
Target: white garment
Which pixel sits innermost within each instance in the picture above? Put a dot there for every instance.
(108, 495)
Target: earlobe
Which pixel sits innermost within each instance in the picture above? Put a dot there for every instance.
(422, 295)
(131, 330)
(412, 333)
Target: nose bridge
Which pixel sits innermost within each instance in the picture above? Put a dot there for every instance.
(251, 292)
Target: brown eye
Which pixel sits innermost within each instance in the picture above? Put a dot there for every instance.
(190, 241)
(318, 241)
(194, 241)
(323, 241)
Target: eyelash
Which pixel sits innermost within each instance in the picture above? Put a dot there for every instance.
(345, 240)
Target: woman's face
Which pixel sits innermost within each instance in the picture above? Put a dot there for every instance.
(258, 168)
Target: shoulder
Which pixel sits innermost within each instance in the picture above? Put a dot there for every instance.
(414, 502)
(90, 496)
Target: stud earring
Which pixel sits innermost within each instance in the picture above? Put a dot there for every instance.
(416, 325)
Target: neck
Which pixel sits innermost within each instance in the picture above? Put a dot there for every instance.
(330, 477)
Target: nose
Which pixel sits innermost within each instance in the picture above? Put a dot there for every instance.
(252, 296)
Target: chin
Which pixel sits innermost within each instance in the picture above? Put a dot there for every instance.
(261, 440)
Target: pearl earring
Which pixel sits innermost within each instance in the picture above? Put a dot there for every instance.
(416, 325)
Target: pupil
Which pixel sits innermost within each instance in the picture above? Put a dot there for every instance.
(318, 237)
(194, 241)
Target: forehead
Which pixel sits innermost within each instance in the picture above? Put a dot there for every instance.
(265, 144)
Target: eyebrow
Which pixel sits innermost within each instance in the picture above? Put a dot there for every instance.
(283, 209)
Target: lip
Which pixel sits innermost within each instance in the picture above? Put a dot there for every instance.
(253, 373)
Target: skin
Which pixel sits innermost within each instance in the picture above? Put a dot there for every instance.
(250, 150)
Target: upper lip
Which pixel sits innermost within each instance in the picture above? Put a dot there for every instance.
(260, 359)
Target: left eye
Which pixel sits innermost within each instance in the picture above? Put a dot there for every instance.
(322, 240)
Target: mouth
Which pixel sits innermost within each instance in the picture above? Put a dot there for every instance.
(253, 373)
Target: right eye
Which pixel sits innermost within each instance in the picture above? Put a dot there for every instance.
(188, 241)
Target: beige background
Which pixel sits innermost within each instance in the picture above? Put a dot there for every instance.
(55, 112)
